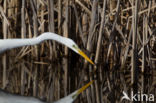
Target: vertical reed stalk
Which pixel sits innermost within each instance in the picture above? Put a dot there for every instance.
(4, 59)
(59, 16)
(134, 69)
(53, 53)
(65, 60)
(99, 43)
(23, 35)
(35, 28)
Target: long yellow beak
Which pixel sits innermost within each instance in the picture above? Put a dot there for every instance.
(85, 56)
(83, 88)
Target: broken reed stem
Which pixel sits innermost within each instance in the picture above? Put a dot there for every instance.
(84, 7)
(92, 25)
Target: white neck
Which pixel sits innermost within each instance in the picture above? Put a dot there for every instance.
(6, 44)
(6, 97)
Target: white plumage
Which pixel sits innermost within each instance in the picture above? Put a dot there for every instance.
(6, 97)
(6, 44)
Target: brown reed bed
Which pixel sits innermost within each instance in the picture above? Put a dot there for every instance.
(118, 35)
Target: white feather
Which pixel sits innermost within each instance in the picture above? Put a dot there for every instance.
(6, 44)
(6, 97)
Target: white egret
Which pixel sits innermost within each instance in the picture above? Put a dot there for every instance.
(6, 97)
(6, 44)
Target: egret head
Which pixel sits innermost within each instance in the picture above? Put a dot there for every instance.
(72, 45)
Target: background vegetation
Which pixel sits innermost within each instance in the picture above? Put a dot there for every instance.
(118, 35)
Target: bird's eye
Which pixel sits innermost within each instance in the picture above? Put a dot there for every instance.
(74, 46)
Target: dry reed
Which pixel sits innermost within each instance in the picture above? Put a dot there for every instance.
(119, 35)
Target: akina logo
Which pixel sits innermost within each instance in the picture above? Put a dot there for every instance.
(138, 97)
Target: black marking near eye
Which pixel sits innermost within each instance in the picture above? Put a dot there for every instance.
(74, 46)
